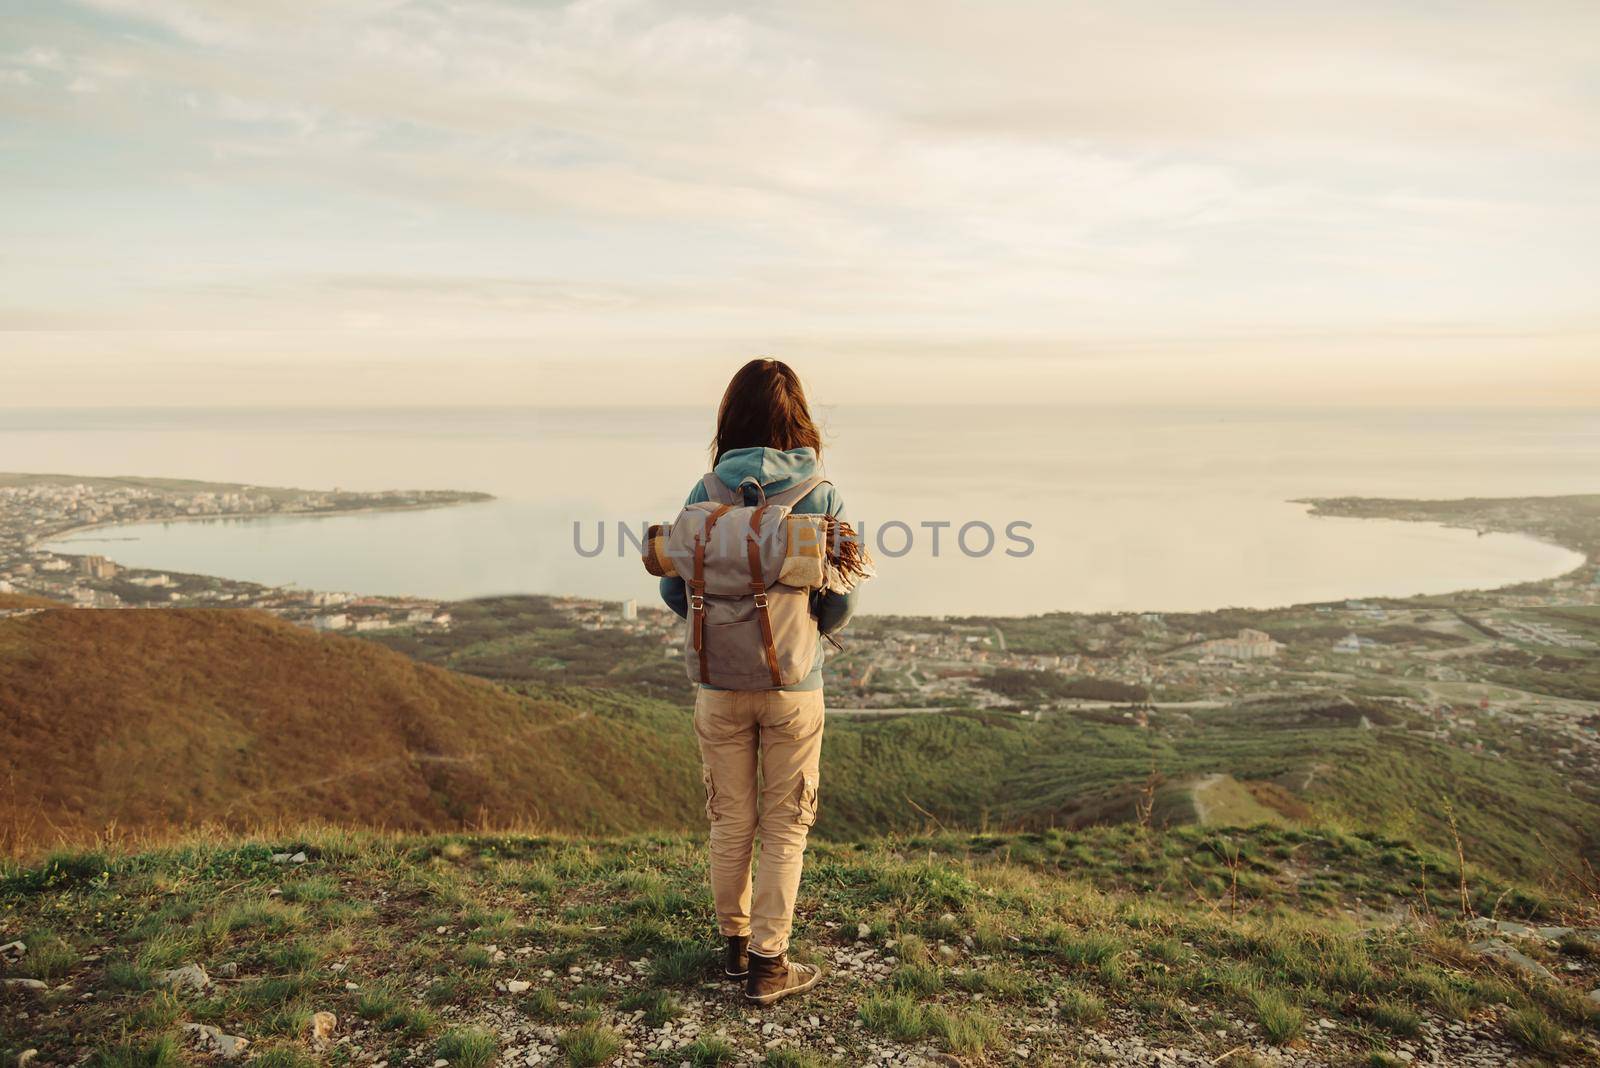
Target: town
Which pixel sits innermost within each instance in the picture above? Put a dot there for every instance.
(1465, 668)
(36, 510)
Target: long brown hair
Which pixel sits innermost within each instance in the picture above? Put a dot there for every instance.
(764, 405)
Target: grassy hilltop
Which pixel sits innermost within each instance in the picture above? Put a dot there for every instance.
(1113, 945)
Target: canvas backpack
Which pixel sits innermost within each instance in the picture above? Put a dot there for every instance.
(750, 625)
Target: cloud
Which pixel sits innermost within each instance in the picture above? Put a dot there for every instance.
(1084, 173)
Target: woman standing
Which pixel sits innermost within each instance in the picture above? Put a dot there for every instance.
(765, 437)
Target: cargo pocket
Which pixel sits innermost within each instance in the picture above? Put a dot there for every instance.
(808, 799)
(711, 793)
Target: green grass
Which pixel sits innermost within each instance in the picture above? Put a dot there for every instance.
(896, 1015)
(540, 1003)
(916, 979)
(658, 1006)
(1397, 1019)
(282, 1057)
(591, 1044)
(1281, 1020)
(965, 1033)
(788, 1057)
(1537, 1031)
(707, 1052)
(468, 1048)
(161, 1051)
(49, 957)
(1080, 1007)
(682, 963)
(1091, 929)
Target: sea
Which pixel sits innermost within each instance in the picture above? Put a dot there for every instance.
(1086, 509)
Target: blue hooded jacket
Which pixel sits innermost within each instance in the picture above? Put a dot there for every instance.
(777, 470)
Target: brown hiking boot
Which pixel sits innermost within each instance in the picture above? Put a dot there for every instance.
(736, 961)
(777, 977)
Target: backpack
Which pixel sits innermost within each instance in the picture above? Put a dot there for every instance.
(750, 625)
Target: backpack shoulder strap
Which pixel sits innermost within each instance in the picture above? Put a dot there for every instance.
(797, 493)
(716, 490)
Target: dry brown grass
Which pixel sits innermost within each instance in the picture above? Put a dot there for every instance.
(140, 723)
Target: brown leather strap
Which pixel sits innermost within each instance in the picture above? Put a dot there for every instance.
(697, 591)
(758, 586)
(697, 606)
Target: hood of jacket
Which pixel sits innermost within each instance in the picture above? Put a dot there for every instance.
(775, 469)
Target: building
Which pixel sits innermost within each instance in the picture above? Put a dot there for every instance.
(97, 567)
(336, 621)
(1247, 645)
(1353, 643)
(630, 610)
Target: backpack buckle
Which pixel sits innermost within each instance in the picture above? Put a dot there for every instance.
(697, 603)
(761, 600)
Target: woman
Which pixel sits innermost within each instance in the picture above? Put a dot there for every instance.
(764, 432)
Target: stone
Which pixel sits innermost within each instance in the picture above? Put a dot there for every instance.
(211, 1037)
(1502, 950)
(230, 970)
(189, 977)
(517, 986)
(321, 1029)
(1594, 995)
(26, 984)
(14, 949)
(863, 930)
(26, 1057)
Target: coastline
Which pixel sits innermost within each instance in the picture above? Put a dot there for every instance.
(329, 513)
(1316, 508)
(1569, 523)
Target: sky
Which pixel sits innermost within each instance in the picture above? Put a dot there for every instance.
(207, 202)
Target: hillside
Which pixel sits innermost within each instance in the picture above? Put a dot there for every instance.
(1193, 947)
(151, 721)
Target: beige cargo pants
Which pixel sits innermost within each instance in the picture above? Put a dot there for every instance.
(781, 731)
